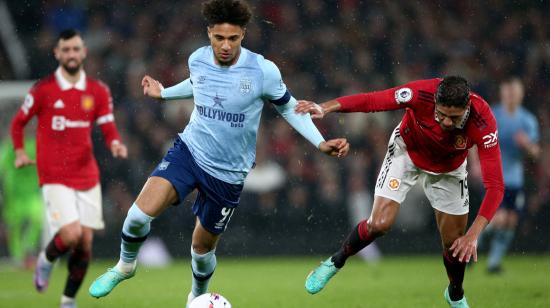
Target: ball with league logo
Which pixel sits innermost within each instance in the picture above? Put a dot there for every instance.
(210, 300)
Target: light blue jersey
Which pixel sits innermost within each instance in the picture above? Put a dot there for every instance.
(512, 155)
(221, 134)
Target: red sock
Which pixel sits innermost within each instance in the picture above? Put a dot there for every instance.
(455, 272)
(56, 248)
(358, 239)
(78, 266)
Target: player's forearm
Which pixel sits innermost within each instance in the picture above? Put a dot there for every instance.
(110, 133)
(182, 90)
(478, 226)
(302, 123)
(17, 131)
(330, 106)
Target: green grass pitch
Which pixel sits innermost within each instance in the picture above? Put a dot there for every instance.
(413, 281)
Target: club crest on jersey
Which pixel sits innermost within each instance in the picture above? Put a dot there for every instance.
(245, 86)
(87, 103)
(460, 142)
(394, 183)
(164, 165)
(403, 95)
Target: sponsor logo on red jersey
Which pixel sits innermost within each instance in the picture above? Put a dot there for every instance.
(490, 140)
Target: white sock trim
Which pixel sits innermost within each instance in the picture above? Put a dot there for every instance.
(125, 267)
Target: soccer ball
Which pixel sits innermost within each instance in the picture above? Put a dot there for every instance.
(210, 300)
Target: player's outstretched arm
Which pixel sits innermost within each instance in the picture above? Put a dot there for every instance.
(153, 88)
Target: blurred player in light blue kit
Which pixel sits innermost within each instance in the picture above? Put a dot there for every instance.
(518, 132)
(217, 148)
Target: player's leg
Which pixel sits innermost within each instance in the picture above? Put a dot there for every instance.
(448, 195)
(62, 217)
(451, 227)
(157, 195)
(505, 223)
(382, 217)
(33, 232)
(77, 265)
(215, 205)
(379, 223)
(14, 229)
(203, 259)
(397, 175)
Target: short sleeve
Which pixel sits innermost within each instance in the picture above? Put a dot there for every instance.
(274, 89)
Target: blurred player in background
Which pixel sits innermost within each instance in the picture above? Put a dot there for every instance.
(519, 135)
(22, 210)
(67, 104)
(443, 119)
(217, 148)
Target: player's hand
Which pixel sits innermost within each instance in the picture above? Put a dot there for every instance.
(312, 108)
(119, 150)
(335, 147)
(151, 87)
(522, 139)
(22, 159)
(465, 248)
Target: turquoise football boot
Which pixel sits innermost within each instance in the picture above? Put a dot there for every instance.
(105, 283)
(462, 303)
(319, 277)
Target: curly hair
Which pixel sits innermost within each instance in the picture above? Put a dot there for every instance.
(233, 12)
(453, 91)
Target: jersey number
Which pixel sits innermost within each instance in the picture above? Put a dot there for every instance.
(463, 187)
(226, 213)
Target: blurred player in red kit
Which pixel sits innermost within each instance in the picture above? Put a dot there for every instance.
(67, 104)
(443, 119)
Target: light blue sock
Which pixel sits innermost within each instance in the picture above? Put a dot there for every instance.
(134, 232)
(203, 267)
(499, 246)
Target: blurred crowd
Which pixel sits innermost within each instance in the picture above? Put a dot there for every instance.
(324, 49)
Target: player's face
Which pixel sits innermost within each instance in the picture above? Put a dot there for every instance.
(449, 116)
(70, 54)
(511, 93)
(226, 42)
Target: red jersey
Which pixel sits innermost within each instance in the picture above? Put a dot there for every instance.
(66, 113)
(429, 146)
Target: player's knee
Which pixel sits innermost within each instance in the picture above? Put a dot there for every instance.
(71, 235)
(379, 227)
(202, 247)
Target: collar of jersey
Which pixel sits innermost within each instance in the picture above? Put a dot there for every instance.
(65, 85)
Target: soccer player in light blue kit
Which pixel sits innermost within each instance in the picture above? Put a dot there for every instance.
(519, 135)
(216, 150)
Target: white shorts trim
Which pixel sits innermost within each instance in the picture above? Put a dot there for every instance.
(447, 192)
(65, 205)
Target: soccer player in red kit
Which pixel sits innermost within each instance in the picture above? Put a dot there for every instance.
(443, 119)
(67, 104)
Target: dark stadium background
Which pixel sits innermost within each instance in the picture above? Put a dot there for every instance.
(324, 49)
